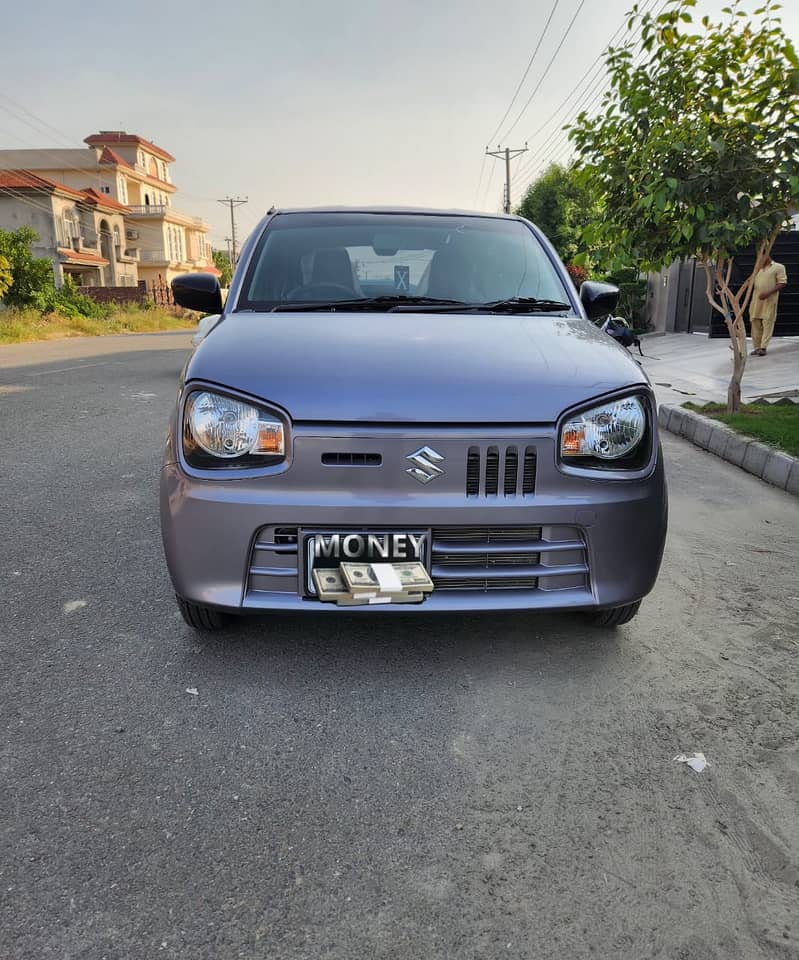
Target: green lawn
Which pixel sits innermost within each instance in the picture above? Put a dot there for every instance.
(776, 425)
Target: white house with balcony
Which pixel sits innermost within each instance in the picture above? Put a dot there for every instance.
(133, 173)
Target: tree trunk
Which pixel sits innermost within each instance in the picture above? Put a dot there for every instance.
(737, 332)
(734, 388)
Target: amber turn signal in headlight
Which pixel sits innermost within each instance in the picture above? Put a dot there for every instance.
(607, 432)
(230, 429)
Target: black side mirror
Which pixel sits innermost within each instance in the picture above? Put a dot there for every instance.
(599, 299)
(198, 291)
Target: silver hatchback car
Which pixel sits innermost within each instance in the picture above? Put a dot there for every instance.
(395, 393)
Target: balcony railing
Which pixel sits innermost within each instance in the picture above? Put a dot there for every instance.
(153, 256)
(148, 210)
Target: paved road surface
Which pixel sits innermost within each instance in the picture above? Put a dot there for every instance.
(468, 787)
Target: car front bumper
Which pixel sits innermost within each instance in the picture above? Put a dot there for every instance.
(583, 542)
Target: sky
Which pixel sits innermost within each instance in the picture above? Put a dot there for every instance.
(309, 102)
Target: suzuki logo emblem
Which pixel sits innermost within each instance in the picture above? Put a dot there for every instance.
(425, 467)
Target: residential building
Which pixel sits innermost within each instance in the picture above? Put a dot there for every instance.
(81, 231)
(126, 168)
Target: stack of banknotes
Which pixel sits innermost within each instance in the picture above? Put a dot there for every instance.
(359, 584)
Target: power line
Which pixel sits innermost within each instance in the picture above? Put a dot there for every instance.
(527, 70)
(546, 69)
(595, 72)
(479, 182)
(559, 137)
(488, 185)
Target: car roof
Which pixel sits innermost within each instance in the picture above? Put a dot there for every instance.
(423, 211)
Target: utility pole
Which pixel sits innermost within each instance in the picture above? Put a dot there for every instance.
(233, 202)
(230, 259)
(508, 154)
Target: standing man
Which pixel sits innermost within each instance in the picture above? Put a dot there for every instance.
(769, 280)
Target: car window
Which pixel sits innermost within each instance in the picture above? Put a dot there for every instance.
(318, 258)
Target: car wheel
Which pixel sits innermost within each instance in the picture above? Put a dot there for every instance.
(201, 618)
(616, 616)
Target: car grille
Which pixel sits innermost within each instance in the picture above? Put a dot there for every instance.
(508, 558)
(466, 558)
(273, 561)
(508, 470)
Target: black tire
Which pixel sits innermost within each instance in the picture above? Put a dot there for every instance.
(201, 618)
(616, 616)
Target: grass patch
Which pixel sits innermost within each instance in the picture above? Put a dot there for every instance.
(21, 326)
(777, 426)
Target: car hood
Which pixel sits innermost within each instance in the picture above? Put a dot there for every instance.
(414, 368)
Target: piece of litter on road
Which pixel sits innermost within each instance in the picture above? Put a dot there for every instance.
(193, 691)
(696, 761)
(72, 605)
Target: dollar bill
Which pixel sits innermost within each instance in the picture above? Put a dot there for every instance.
(330, 585)
(414, 577)
(359, 578)
(386, 579)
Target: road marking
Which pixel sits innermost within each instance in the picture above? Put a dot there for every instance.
(79, 366)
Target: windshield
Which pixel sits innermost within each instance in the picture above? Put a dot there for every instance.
(334, 257)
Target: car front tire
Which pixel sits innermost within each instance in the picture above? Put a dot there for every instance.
(616, 616)
(201, 618)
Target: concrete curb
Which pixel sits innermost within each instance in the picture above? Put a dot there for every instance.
(776, 468)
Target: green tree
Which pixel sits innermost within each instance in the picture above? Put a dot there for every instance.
(559, 202)
(221, 262)
(32, 280)
(695, 150)
(5, 275)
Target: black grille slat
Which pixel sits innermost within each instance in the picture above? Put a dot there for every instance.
(352, 459)
(484, 535)
(492, 471)
(506, 583)
(511, 471)
(528, 478)
(487, 560)
(473, 472)
(495, 469)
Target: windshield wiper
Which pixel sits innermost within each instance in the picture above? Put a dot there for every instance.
(524, 305)
(511, 305)
(367, 303)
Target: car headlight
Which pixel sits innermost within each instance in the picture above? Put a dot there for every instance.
(221, 431)
(610, 432)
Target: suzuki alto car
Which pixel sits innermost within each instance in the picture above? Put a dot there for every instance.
(394, 386)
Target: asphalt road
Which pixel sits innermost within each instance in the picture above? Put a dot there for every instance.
(468, 787)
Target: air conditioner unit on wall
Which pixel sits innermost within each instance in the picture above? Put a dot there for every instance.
(132, 234)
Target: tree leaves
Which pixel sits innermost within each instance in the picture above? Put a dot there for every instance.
(696, 147)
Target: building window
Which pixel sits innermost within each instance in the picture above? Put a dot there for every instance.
(122, 190)
(105, 189)
(117, 242)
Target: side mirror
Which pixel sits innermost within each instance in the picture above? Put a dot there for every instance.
(198, 291)
(599, 299)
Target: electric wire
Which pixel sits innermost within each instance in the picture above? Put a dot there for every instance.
(557, 141)
(526, 72)
(546, 70)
